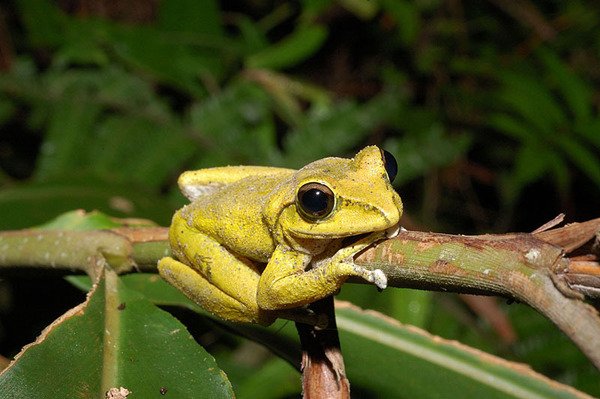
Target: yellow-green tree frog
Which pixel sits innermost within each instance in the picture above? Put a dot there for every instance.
(257, 243)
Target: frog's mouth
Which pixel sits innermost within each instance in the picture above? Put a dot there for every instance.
(347, 241)
(390, 232)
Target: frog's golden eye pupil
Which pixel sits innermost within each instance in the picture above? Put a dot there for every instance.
(315, 201)
(391, 166)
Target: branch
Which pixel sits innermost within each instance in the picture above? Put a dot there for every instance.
(323, 371)
(531, 268)
(123, 249)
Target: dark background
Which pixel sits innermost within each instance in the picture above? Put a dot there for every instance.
(491, 108)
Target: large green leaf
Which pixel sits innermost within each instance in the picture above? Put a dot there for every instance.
(387, 359)
(117, 338)
(280, 337)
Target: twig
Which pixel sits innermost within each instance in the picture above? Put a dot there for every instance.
(323, 372)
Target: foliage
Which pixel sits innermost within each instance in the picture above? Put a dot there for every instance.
(489, 107)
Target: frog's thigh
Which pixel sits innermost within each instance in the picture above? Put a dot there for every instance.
(209, 270)
(209, 296)
(235, 276)
(202, 292)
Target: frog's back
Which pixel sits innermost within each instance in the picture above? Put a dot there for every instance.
(196, 183)
(232, 212)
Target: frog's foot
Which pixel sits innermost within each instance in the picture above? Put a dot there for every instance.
(376, 276)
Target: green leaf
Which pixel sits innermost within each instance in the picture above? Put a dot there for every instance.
(364, 9)
(512, 127)
(531, 163)
(406, 16)
(168, 58)
(423, 150)
(83, 44)
(80, 220)
(337, 128)
(44, 21)
(235, 125)
(7, 110)
(253, 38)
(576, 92)
(324, 132)
(140, 150)
(534, 103)
(290, 51)
(384, 358)
(585, 160)
(71, 122)
(280, 338)
(273, 380)
(409, 306)
(116, 339)
(590, 131)
(191, 16)
(314, 8)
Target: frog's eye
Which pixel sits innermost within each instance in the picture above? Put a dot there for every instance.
(391, 166)
(315, 201)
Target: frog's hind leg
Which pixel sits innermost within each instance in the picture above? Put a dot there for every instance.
(196, 287)
(200, 290)
(213, 277)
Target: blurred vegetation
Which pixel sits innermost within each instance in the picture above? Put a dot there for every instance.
(491, 108)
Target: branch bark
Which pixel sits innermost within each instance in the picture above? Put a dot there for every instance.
(534, 268)
(531, 268)
(323, 371)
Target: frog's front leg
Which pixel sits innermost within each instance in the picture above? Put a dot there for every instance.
(285, 283)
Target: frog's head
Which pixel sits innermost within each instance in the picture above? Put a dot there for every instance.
(337, 197)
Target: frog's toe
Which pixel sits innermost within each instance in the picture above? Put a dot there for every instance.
(379, 279)
(376, 276)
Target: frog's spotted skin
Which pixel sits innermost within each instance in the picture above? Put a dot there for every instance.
(257, 243)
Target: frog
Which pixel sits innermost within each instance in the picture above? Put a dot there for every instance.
(258, 243)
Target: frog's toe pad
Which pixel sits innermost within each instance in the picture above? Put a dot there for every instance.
(378, 278)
